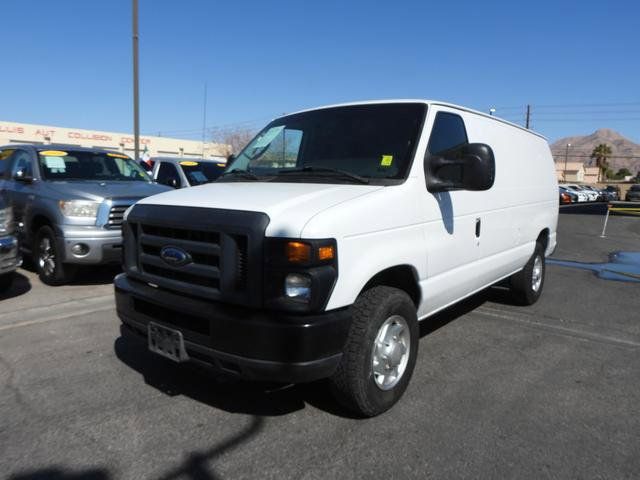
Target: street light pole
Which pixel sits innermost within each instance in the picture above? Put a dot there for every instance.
(566, 155)
(136, 109)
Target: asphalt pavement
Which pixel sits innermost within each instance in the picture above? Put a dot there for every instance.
(499, 391)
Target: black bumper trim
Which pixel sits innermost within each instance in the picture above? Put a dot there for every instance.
(254, 344)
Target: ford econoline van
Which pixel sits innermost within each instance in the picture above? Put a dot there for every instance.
(331, 236)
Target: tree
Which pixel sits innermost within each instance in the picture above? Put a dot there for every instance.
(623, 172)
(236, 138)
(601, 153)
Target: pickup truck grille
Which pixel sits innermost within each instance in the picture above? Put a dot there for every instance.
(115, 216)
(225, 259)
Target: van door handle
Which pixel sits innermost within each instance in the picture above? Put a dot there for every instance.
(478, 223)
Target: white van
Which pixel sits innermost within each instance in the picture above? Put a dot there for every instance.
(333, 233)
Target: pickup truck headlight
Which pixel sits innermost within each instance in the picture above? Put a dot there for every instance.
(6, 221)
(299, 274)
(79, 208)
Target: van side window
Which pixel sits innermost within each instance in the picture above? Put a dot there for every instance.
(5, 158)
(166, 172)
(448, 132)
(22, 161)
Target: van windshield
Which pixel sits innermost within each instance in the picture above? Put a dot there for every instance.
(87, 165)
(353, 144)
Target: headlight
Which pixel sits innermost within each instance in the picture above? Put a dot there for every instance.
(299, 273)
(297, 285)
(6, 220)
(79, 208)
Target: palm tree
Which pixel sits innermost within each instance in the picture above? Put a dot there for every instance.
(601, 153)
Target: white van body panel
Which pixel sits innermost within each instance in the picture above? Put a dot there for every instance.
(434, 234)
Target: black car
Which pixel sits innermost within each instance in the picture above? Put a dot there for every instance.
(612, 192)
(633, 194)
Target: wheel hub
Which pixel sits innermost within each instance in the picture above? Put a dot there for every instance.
(390, 352)
(536, 274)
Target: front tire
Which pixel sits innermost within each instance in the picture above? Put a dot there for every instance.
(527, 284)
(380, 354)
(48, 264)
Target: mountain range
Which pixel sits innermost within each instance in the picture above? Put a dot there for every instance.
(624, 152)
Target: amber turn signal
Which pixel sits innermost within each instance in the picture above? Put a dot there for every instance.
(298, 252)
(326, 253)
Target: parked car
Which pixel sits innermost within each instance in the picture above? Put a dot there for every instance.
(582, 195)
(68, 204)
(613, 192)
(336, 230)
(633, 194)
(567, 196)
(9, 255)
(181, 172)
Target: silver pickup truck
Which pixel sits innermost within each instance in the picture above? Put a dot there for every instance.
(68, 203)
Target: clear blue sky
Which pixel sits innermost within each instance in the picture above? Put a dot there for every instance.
(68, 63)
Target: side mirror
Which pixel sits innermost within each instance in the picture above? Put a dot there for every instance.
(22, 176)
(230, 159)
(469, 167)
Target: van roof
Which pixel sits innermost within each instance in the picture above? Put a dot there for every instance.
(426, 102)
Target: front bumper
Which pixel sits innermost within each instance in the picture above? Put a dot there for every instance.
(251, 343)
(10, 258)
(105, 246)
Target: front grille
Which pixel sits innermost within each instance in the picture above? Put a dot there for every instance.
(115, 216)
(202, 246)
(224, 246)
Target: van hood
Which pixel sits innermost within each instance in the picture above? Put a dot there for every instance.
(98, 191)
(289, 205)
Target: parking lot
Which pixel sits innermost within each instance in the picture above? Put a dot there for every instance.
(499, 391)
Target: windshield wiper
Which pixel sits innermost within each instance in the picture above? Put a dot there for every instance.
(325, 171)
(236, 172)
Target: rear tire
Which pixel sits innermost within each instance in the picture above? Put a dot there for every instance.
(527, 284)
(380, 353)
(47, 261)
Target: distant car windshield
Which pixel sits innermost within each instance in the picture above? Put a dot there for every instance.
(341, 144)
(199, 172)
(88, 165)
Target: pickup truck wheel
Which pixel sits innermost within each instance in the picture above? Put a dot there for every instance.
(380, 353)
(47, 259)
(6, 281)
(526, 285)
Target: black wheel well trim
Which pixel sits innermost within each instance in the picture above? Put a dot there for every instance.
(404, 277)
(543, 238)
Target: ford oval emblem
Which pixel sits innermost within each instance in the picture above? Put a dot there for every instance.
(174, 256)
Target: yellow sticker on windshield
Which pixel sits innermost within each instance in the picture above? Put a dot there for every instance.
(386, 161)
(118, 155)
(221, 164)
(189, 164)
(53, 153)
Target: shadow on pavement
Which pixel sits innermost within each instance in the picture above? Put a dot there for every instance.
(20, 286)
(96, 274)
(56, 473)
(196, 466)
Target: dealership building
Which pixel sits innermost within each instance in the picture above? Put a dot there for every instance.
(152, 146)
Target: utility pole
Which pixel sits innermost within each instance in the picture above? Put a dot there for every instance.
(204, 117)
(136, 109)
(528, 116)
(566, 155)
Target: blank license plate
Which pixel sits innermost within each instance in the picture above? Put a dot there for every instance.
(166, 342)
